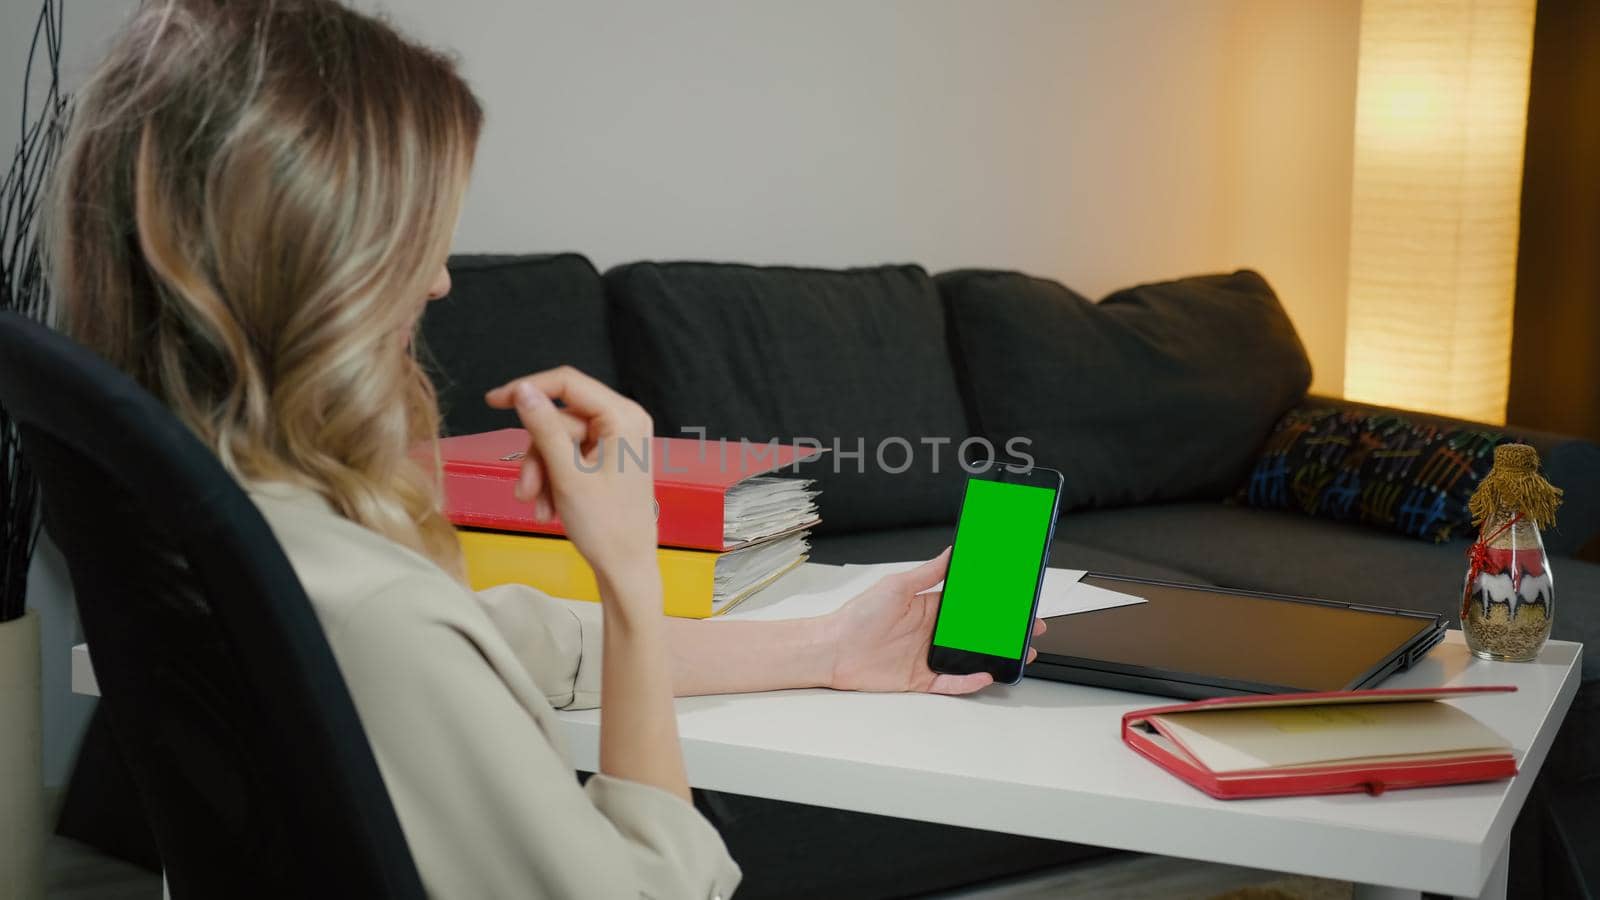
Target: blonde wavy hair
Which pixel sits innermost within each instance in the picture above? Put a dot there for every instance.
(254, 201)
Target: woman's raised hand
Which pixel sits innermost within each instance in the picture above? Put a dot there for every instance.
(586, 463)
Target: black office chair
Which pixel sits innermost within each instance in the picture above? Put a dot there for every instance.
(221, 691)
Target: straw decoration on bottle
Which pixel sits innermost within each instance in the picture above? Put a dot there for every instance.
(1508, 602)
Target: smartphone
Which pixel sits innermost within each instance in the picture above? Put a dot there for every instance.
(997, 563)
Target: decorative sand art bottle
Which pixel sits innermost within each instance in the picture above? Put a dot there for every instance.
(1508, 603)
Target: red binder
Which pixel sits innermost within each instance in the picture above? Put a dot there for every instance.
(1148, 735)
(692, 479)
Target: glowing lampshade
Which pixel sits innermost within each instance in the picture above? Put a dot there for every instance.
(1441, 111)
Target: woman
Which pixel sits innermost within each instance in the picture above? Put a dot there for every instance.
(257, 199)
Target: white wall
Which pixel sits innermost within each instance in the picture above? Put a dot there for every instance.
(1102, 143)
(87, 26)
(1291, 156)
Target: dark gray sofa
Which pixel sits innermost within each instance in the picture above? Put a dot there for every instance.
(1154, 403)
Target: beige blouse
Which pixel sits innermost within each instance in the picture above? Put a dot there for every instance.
(457, 693)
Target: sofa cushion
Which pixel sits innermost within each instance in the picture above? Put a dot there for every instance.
(851, 358)
(1377, 469)
(1158, 392)
(1288, 553)
(507, 316)
(1569, 463)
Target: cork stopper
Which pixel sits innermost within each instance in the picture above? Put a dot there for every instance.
(1516, 459)
(1515, 485)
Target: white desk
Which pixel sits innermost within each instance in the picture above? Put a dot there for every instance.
(1046, 759)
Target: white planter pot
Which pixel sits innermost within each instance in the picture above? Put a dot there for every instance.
(22, 829)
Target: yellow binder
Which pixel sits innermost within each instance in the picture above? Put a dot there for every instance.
(553, 565)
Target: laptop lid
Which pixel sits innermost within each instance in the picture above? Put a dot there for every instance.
(1195, 642)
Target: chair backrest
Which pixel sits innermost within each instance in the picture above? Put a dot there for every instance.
(221, 690)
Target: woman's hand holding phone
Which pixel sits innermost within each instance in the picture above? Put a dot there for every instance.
(987, 611)
(880, 638)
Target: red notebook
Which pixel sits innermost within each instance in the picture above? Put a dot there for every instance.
(1323, 743)
(710, 495)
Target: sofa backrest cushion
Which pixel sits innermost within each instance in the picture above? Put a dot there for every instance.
(1381, 470)
(508, 316)
(1569, 463)
(851, 358)
(1158, 392)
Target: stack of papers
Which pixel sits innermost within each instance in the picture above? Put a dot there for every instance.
(764, 505)
(740, 573)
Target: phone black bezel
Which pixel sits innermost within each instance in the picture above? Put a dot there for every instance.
(954, 661)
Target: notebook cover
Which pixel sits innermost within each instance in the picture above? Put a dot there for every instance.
(692, 478)
(1334, 778)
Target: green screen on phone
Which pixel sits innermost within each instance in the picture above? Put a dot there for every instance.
(994, 572)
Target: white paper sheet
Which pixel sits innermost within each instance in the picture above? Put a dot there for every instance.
(1078, 597)
(1062, 594)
